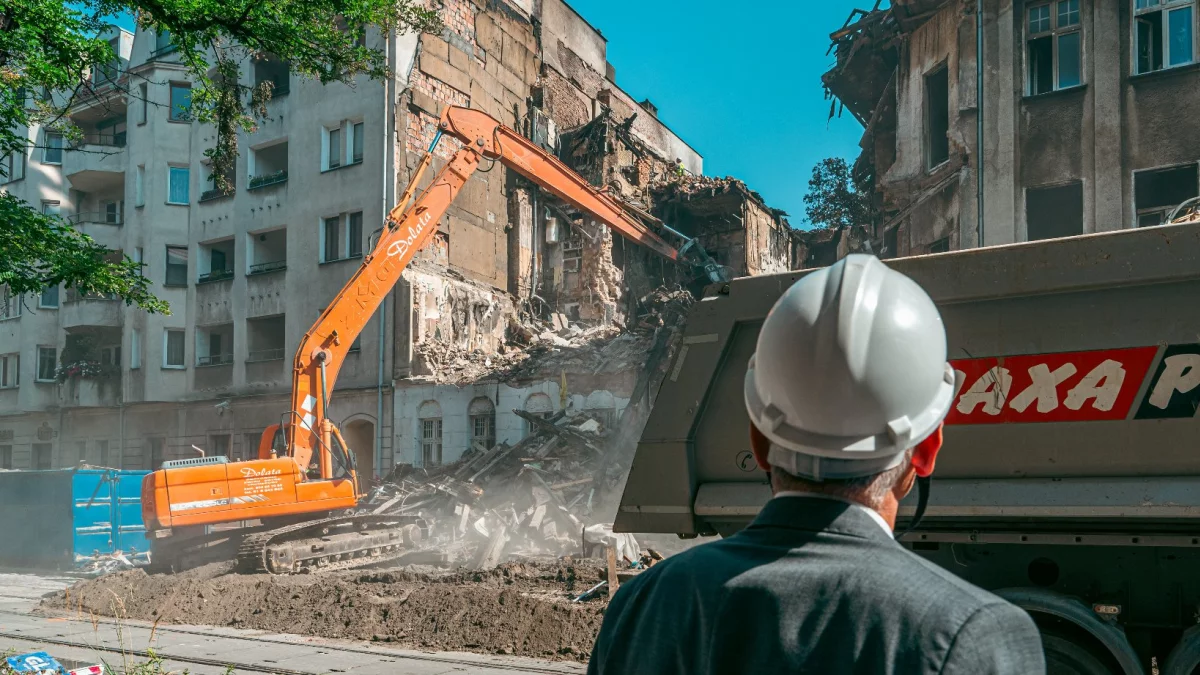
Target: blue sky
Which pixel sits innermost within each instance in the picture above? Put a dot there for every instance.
(741, 83)
(741, 87)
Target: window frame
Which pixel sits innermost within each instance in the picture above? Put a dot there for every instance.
(47, 148)
(1165, 7)
(144, 95)
(1054, 33)
(930, 164)
(139, 186)
(330, 146)
(167, 283)
(135, 349)
(12, 160)
(42, 298)
(1162, 211)
(10, 364)
(167, 332)
(184, 117)
(344, 237)
(357, 141)
(431, 442)
(38, 374)
(187, 170)
(10, 304)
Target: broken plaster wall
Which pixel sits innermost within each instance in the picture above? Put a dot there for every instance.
(454, 402)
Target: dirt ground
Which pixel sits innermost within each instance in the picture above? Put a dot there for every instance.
(518, 608)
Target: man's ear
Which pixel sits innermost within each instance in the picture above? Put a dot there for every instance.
(926, 452)
(760, 445)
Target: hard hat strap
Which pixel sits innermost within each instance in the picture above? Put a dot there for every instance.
(923, 486)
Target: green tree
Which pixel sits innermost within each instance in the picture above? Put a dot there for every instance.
(53, 45)
(832, 200)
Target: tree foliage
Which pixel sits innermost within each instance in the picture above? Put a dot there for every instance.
(53, 45)
(832, 200)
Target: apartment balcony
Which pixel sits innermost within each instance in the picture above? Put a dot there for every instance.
(104, 392)
(82, 311)
(97, 163)
(103, 226)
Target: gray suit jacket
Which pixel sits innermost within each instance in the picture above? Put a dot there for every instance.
(811, 586)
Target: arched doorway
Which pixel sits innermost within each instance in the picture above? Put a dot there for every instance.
(360, 436)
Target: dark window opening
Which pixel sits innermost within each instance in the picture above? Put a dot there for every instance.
(1158, 191)
(1053, 212)
(937, 117)
(940, 246)
(1041, 65)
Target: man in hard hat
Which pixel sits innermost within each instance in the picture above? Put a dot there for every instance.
(846, 394)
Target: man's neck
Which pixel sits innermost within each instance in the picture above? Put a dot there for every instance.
(885, 515)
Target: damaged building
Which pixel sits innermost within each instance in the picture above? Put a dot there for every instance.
(520, 302)
(1085, 117)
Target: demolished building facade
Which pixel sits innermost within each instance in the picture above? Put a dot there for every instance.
(1085, 117)
(519, 303)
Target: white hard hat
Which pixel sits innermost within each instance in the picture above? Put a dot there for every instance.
(850, 371)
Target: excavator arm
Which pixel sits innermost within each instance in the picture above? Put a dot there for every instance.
(324, 348)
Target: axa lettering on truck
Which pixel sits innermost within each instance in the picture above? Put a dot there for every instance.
(1069, 482)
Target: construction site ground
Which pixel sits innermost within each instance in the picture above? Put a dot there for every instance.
(194, 628)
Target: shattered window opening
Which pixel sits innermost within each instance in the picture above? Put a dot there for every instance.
(1054, 48)
(430, 415)
(937, 117)
(483, 422)
(1156, 192)
(1163, 42)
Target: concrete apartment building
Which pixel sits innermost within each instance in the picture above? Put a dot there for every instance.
(1087, 122)
(247, 272)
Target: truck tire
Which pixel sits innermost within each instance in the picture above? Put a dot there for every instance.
(1065, 657)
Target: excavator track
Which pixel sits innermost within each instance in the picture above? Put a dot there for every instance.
(330, 544)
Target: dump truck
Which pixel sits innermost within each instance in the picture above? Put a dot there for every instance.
(1069, 482)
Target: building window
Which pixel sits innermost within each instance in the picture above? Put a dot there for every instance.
(53, 152)
(6, 457)
(214, 345)
(178, 184)
(1055, 211)
(173, 348)
(937, 117)
(181, 102)
(10, 371)
(48, 298)
(540, 405)
(51, 208)
(430, 421)
(139, 189)
(47, 363)
(12, 166)
(218, 445)
(334, 150)
(177, 264)
(1164, 34)
(482, 414)
(155, 452)
(356, 153)
(10, 303)
(135, 349)
(143, 102)
(940, 246)
(249, 446)
(1053, 47)
(41, 456)
(342, 237)
(102, 453)
(1157, 192)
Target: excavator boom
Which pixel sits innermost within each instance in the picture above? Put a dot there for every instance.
(294, 477)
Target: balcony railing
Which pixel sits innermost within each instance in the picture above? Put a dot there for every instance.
(265, 355)
(214, 360)
(74, 295)
(116, 140)
(265, 180)
(97, 217)
(163, 51)
(215, 275)
(215, 193)
(263, 268)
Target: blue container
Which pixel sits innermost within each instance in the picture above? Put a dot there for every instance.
(53, 518)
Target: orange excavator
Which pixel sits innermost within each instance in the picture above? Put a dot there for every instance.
(304, 478)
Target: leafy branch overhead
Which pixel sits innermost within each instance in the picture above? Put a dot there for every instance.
(42, 251)
(48, 48)
(832, 200)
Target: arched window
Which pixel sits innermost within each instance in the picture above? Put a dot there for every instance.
(602, 406)
(482, 414)
(540, 405)
(429, 419)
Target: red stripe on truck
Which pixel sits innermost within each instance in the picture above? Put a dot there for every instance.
(1063, 387)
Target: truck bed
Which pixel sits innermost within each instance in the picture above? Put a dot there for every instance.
(1096, 430)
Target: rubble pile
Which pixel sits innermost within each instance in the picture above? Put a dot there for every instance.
(526, 500)
(689, 186)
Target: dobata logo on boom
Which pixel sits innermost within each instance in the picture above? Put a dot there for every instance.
(1078, 386)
